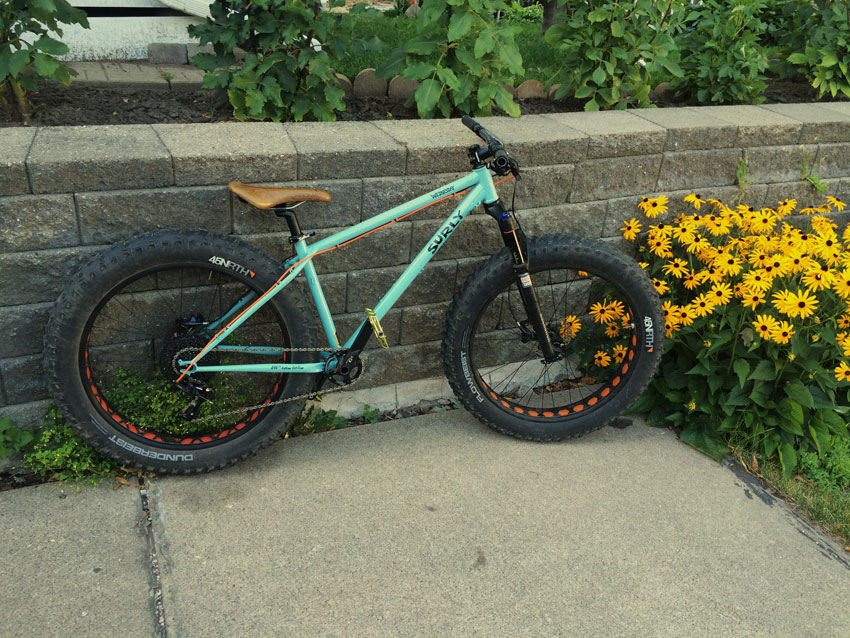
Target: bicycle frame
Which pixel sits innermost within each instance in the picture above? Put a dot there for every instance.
(481, 190)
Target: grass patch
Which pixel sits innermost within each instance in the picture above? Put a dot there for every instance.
(820, 491)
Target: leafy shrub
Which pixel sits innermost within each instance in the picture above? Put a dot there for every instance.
(831, 471)
(58, 453)
(725, 61)
(27, 51)
(608, 51)
(825, 31)
(461, 57)
(758, 325)
(286, 73)
(12, 439)
(518, 14)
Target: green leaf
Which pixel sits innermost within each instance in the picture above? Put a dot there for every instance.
(742, 369)
(791, 414)
(17, 61)
(788, 459)
(765, 371)
(599, 76)
(705, 439)
(427, 94)
(419, 71)
(50, 46)
(797, 58)
(460, 24)
(617, 29)
(644, 404)
(484, 44)
(800, 393)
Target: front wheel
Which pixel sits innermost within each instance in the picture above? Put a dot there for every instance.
(603, 317)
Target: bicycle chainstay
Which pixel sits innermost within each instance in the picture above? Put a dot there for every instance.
(268, 405)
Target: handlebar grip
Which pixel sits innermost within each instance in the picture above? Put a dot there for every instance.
(471, 124)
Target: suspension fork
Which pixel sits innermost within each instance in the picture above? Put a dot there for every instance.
(515, 242)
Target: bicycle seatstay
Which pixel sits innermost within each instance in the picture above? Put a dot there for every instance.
(481, 189)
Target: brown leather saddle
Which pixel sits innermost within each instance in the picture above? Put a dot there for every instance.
(265, 197)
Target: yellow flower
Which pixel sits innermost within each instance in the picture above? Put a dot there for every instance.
(643, 265)
(695, 200)
(660, 247)
(721, 293)
(757, 280)
(842, 371)
(656, 206)
(764, 325)
(570, 327)
(692, 406)
(677, 267)
(784, 302)
(729, 265)
(619, 353)
(612, 330)
(703, 305)
(660, 286)
(601, 358)
(605, 312)
(843, 321)
(782, 332)
(763, 222)
(817, 280)
(631, 229)
(786, 206)
(685, 315)
(643, 203)
(837, 203)
(752, 298)
(690, 280)
(804, 304)
(706, 343)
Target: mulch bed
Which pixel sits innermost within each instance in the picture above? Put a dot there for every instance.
(81, 104)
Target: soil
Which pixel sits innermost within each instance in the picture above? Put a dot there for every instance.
(81, 104)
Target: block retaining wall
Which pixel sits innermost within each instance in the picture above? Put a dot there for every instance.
(68, 192)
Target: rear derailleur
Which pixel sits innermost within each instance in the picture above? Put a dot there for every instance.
(199, 393)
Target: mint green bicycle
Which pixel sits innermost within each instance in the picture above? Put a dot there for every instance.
(183, 351)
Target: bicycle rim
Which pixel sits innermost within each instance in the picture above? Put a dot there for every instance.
(134, 339)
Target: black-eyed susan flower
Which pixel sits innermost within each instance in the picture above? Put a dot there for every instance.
(804, 304)
(660, 247)
(676, 267)
(752, 299)
(619, 353)
(703, 305)
(660, 286)
(695, 200)
(842, 371)
(601, 359)
(656, 207)
(685, 315)
(757, 280)
(721, 293)
(783, 301)
(816, 279)
(835, 203)
(843, 321)
(786, 206)
(612, 330)
(570, 327)
(631, 229)
(782, 332)
(643, 204)
(764, 325)
(690, 280)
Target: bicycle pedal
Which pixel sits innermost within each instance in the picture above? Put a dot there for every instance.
(377, 329)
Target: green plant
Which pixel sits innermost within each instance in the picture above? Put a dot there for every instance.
(461, 57)
(725, 61)
(57, 453)
(27, 50)
(742, 172)
(370, 415)
(290, 48)
(757, 320)
(314, 420)
(167, 76)
(608, 51)
(807, 173)
(517, 13)
(831, 470)
(12, 439)
(825, 31)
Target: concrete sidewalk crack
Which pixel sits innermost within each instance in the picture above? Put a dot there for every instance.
(156, 581)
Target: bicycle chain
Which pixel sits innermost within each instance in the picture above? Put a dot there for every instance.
(268, 405)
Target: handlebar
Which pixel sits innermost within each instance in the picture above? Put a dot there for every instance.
(502, 162)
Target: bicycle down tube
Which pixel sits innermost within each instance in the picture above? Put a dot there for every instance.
(481, 189)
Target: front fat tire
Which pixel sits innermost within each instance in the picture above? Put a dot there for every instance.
(563, 252)
(94, 283)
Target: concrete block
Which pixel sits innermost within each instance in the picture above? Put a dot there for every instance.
(782, 163)
(538, 140)
(194, 49)
(22, 328)
(844, 190)
(350, 404)
(614, 133)
(66, 159)
(219, 153)
(367, 85)
(833, 160)
(477, 235)
(167, 53)
(531, 89)
(110, 216)
(435, 284)
(841, 107)
(36, 222)
(401, 88)
(688, 129)
(342, 210)
(819, 124)
(15, 144)
(400, 364)
(756, 126)
(23, 379)
(590, 219)
(433, 146)
(387, 247)
(540, 186)
(423, 323)
(615, 177)
(26, 416)
(339, 150)
(382, 193)
(345, 84)
(89, 72)
(39, 276)
(347, 324)
(698, 169)
(801, 191)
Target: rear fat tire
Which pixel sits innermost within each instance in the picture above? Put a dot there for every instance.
(496, 275)
(105, 273)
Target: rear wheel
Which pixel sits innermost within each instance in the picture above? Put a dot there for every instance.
(603, 316)
(119, 330)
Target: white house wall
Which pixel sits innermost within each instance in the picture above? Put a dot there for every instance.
(124, 38)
